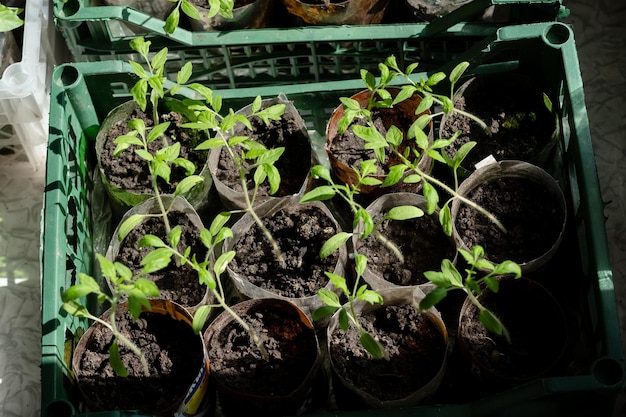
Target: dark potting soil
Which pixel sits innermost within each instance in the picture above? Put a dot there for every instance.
(300, 232)
(415, 345)
(532, 216)
(176, 283)
(130, 172)
(174, 354)
(515, 113)
(237, 362)
(422, 243)
(536, 326)
(293, 165)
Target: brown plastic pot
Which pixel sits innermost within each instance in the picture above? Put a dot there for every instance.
(347, 12)
(404, 110)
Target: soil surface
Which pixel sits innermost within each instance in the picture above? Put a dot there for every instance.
(237, 362)
(415, 346)
(535, 324)
(178, 284)
(130, 172)
(174, 354)
(300, 232)
(531, 215)
(293, 165)
(422, 243)
(515, 113)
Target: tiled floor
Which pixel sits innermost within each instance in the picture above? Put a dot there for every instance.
(601, 39)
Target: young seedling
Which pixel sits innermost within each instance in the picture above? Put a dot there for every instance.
(209, 268)
(151, 86)
(124, 286)
(408, 169)
(449, 278)
(363, 226)
(249, 156)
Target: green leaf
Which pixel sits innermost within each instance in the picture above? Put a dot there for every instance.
(151, 241)
(425, 104)
(273, 177)
(490, 321)
(128, 225)
(76, 309)
(458, 71)
(452, 274)
(445, 219)
(140, 45)
(321, 193)
(138, 69)
(140, 92)
(171, 23)
(156, 260)
(371, 345)
(320, 171)
(334, 243)
(187, 183)
(435, 79)
(323, 312)
(396, 172)
(432, 197)
(404, 213)
(148, 287)
(406, 92)
(344, 320)
(438, 278)
(116, 361)
(222, 262)
(369, 296)
(174, 235)
(136, 301)
(338, 282)
(159, 59)
(360, 263)
(329, 298)
(394, 136)
(412, 179)
(492, 283)
(209, 144)
(157, 131)
(218, 222)
(368, 79)
(190, 10)
(9, 18)
(508, 267)
(200, 317)
(433, 298)
(461, 153)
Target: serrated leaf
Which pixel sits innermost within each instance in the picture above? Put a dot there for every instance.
(451, 273)
(370, 296)
(157, 131)
(159, 59)
(338, 282)
(438, 278)
(329, 298)
(76, 309)
(396, 172)
(156, 260)
(148, 287)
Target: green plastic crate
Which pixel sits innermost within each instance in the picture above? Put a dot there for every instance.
(83, 93)
(247, 58)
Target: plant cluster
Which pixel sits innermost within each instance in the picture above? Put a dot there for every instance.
(148, 92)
(407, 170)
